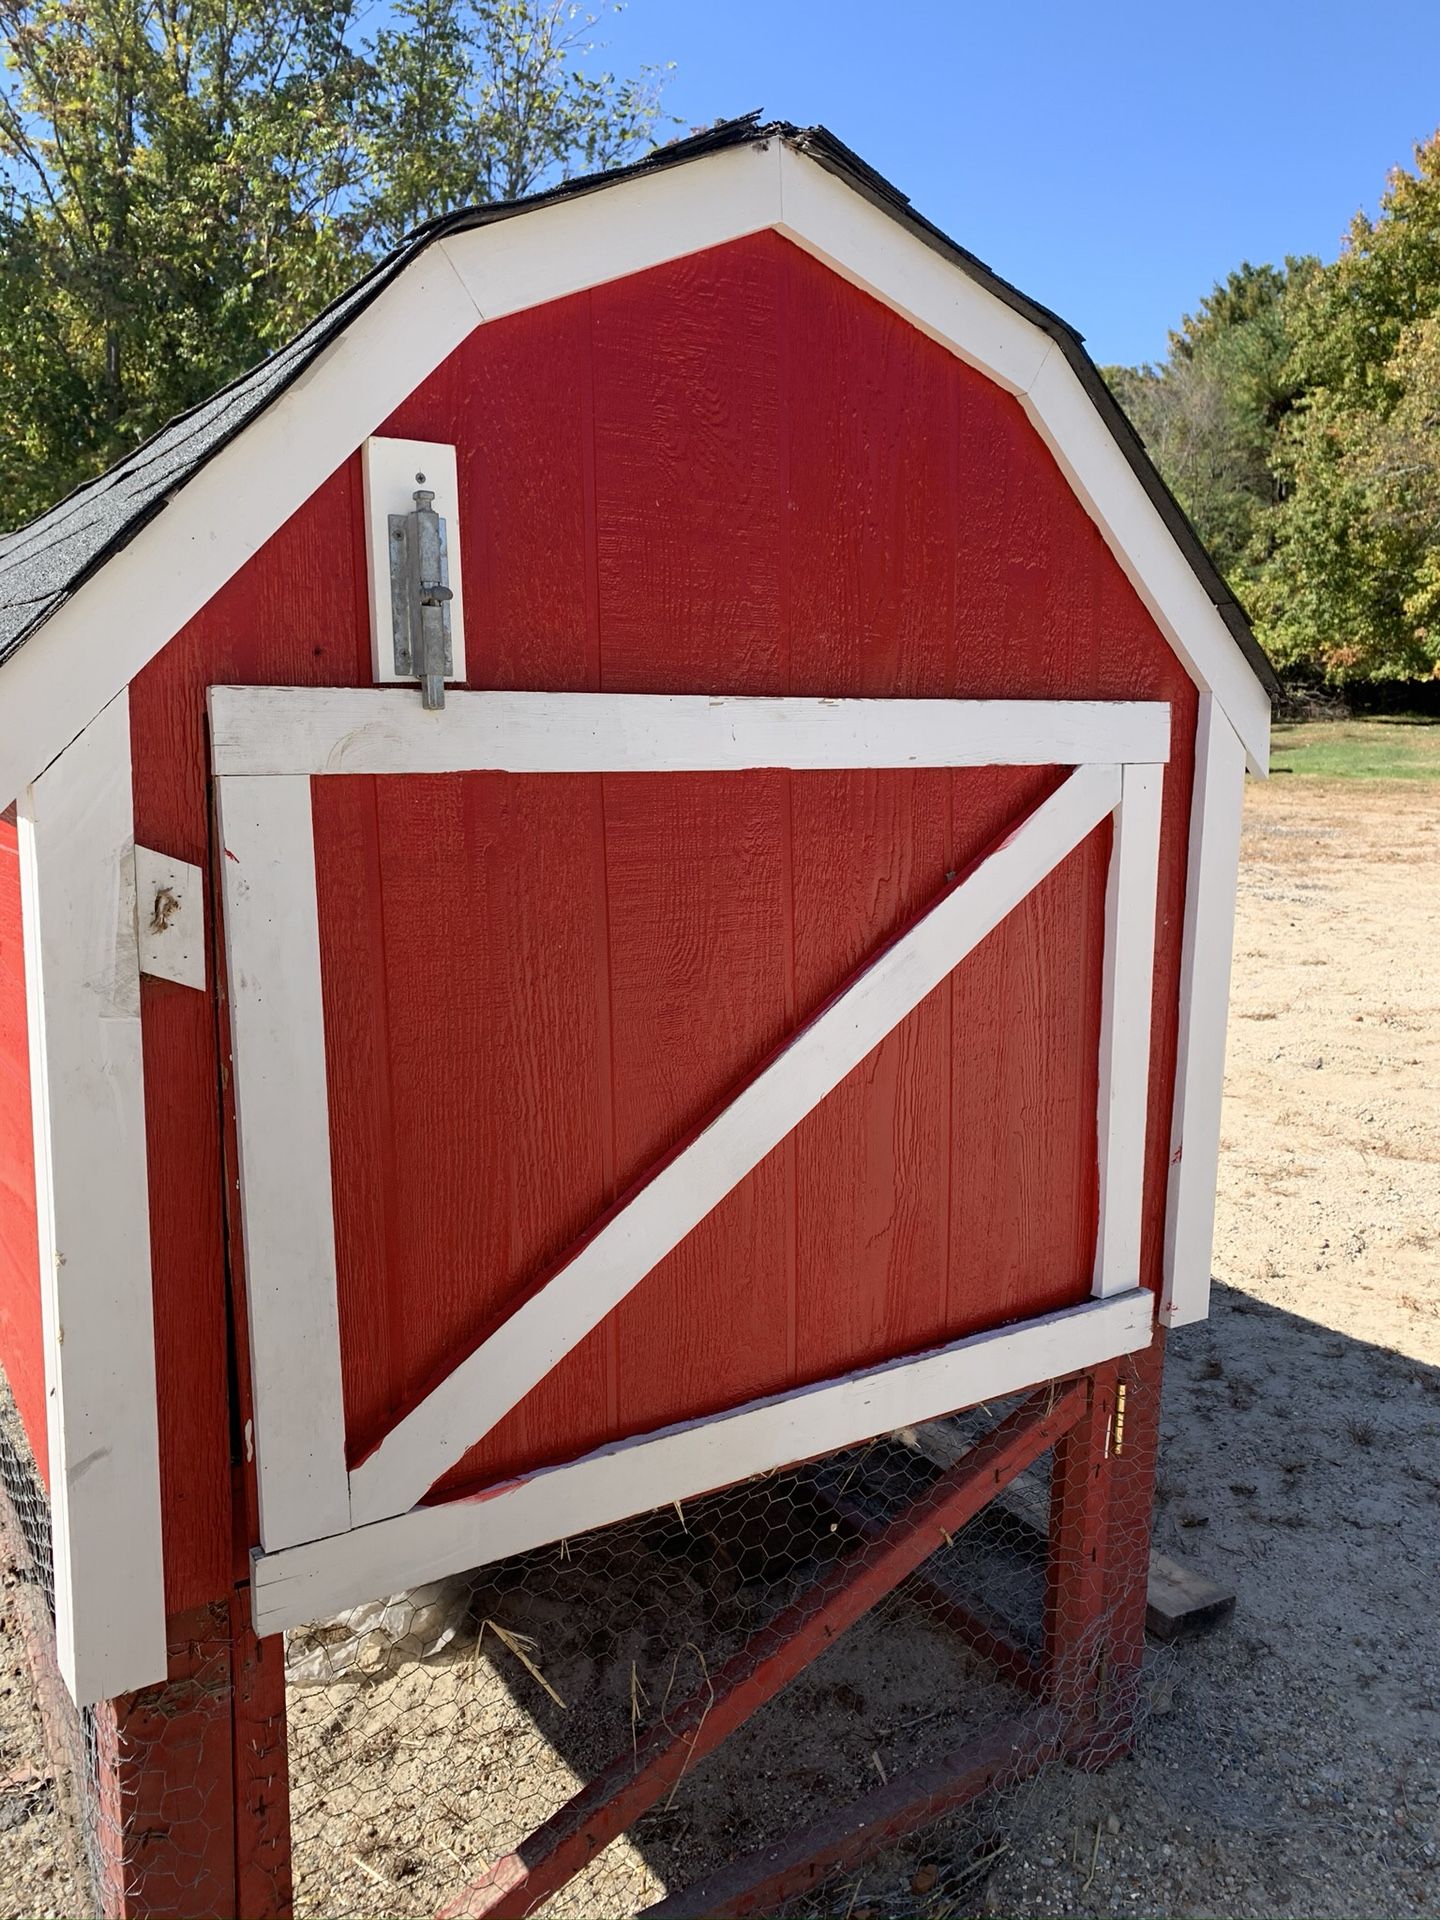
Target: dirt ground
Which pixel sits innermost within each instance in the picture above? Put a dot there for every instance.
(1293, 1765)
(1290, 1764)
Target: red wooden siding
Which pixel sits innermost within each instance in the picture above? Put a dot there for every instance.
(734, 473)
(22, 1346)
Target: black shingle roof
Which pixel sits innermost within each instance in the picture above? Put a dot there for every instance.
(43, 563)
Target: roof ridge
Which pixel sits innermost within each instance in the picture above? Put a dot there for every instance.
(45, 561)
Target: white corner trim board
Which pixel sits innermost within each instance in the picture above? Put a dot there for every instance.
(1205, 953)
(484, 1387)
(82, 990)
(283, 730)
(307, 1583)
(118, 620)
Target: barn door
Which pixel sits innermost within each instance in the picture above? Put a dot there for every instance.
(341, 1520)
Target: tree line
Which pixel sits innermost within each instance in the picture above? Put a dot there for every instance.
(1296, 416)
(185, 183)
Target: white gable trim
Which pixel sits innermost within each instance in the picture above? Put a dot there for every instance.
(96, 643)
(866, 246)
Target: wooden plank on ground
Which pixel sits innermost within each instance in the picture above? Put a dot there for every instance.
(1180, 1601)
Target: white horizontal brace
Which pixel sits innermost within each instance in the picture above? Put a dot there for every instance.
(307, 1583)
(484, 1387)
(288, 730)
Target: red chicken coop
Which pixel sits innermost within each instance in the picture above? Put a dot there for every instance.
(622, 876)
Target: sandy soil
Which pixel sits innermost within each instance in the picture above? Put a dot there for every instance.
(1291, 1761)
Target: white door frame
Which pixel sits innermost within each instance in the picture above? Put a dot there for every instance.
(332, 1533)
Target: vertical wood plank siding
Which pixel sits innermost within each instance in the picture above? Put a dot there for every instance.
(737, 473)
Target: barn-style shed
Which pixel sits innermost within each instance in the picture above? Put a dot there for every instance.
(625, 860)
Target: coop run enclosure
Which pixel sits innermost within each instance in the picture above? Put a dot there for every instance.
(613, 963)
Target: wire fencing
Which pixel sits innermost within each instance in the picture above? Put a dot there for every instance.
(429, 1733)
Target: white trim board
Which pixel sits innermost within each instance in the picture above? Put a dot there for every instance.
(306, 1583)
(119, 619)
(284, 730)
(282, 1127)
(1206, 945)
(82, 990)
(1127, 993)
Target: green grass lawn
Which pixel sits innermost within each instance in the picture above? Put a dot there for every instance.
(1396, 746)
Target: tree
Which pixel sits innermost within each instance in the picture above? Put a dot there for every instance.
(1353, 589)
(1211, 412)
(477, 100)
(1297, 418)
(184, 183)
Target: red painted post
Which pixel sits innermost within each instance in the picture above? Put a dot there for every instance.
(263, 1885)
(189, 1794)
(1075, 1573)
(1132, 1497)
(164, 1799)
(1102, 1489)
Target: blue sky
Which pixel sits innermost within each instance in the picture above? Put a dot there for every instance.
(1112, 159)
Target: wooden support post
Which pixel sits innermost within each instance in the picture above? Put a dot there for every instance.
(1131, 1473)
(1097, 1576)
(1075, 1572)
(190, 1803)
(263, 1889)
(640, 1775)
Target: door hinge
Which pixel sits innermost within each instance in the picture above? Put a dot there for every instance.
(170, 918)
(420, 598)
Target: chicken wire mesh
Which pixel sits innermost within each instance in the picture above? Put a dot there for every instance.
(69, 1734)
(429, 1733)
(432, 1732)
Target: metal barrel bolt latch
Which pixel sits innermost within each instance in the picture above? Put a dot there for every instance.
(420, 597)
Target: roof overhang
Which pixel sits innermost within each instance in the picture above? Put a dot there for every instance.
(119, 618)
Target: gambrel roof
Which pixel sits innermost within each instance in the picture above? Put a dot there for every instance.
(170, 523)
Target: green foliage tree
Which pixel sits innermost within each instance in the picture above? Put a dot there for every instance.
(1210, 413)
(184, 183)
(1297, 418)
(1353, 588)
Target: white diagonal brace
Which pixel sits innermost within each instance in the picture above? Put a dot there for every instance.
(559, 1314)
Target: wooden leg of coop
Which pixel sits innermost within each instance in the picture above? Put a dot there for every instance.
(1132, 1498)
(191, 1801)
(1075, 1572)
(263, 1888)
(640, 1775)
(1102, 1487)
